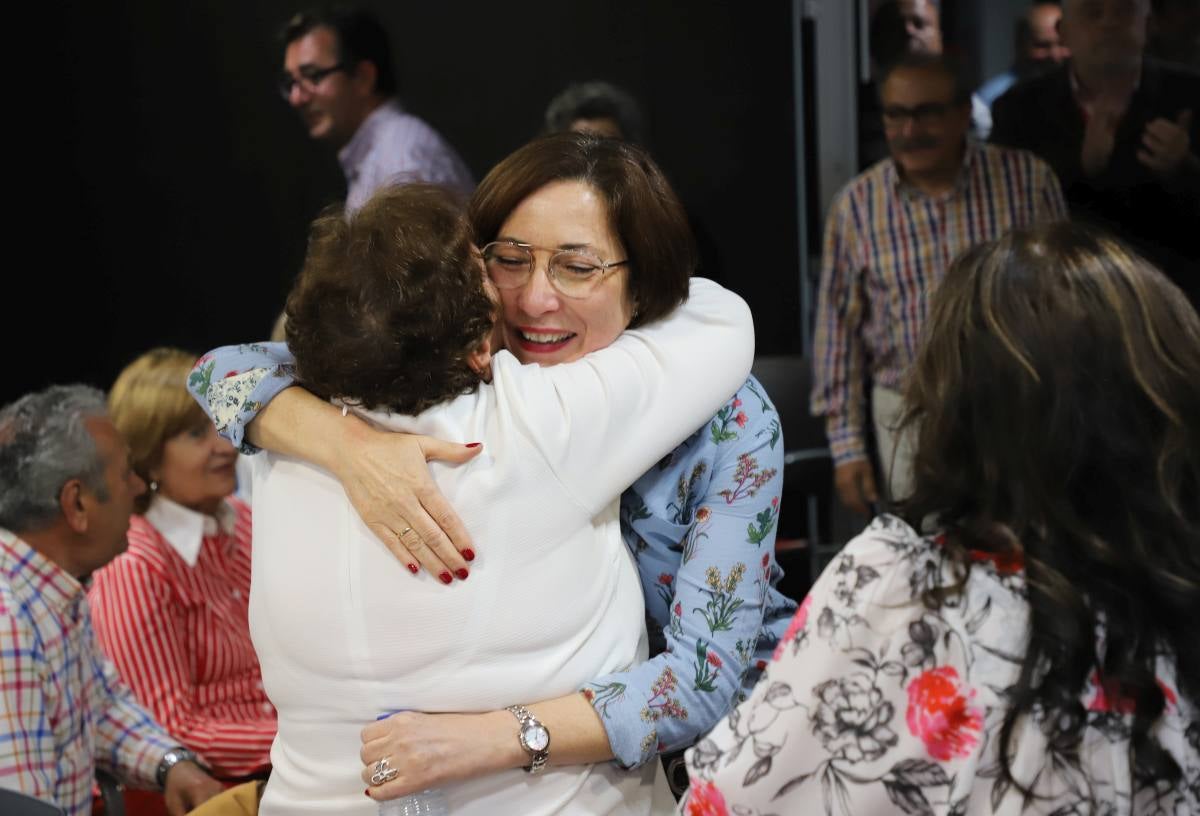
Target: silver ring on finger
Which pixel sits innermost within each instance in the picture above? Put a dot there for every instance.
(383, 772)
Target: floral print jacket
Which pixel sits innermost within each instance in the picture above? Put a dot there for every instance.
(876, 704)
(701, 525)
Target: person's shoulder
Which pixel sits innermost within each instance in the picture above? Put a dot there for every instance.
(16, 623)
(1033, 90)
(1003, 155)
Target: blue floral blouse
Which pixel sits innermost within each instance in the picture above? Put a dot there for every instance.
(701, 525)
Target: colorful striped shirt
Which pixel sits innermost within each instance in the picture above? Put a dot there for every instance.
(173, 614)
(63, 709)
(887, 245)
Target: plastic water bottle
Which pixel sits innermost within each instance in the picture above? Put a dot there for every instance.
(425, 803)
(430, 802)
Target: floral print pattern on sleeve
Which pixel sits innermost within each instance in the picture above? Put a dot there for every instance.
(702, 528)
(233, 383)
(876, 704)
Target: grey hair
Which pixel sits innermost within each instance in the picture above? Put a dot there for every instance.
(44, 443)
(596, 100)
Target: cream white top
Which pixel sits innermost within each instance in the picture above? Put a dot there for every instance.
(345, 633)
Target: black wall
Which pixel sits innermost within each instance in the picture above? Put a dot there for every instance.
(166, 189)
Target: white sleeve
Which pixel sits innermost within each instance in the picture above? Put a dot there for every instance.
(604, 420)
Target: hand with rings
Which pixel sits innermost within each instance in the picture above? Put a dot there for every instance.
(386, 477)
(384, 773)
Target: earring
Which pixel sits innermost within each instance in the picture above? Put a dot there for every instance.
(153, 486)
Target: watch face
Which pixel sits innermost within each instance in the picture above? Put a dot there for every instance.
(537, 738)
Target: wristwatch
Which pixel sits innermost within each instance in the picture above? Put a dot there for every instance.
(534, 738)
(170, 760)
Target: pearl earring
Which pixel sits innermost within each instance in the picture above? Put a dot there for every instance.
(153, 486)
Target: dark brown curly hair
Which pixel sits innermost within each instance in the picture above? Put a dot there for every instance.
(1056, 399)
(390, 302)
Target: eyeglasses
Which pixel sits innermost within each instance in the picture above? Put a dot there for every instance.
(573, 273)
(310, 77)
(927, 113)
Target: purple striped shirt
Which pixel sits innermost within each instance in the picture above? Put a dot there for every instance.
(392, 147)
(887, 245)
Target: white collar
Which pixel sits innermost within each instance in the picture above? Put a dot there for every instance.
(185, 529)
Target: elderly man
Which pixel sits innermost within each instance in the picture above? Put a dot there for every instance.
(1120, 130)
(890, 236)
(1039, 49)
(337, 74)
(66, 493)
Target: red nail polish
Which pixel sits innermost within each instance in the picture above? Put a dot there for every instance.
(445, 576)
(474, 444)
(413, 568)
(462, 574)
(367, 792)
(468, 554)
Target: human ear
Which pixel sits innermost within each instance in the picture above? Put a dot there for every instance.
(73, 505)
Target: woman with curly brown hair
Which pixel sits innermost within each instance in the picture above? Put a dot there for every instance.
(343, 635)
(1036, 651)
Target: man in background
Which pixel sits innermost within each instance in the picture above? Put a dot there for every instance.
(1120, 130)
(889, 238)
(338, 75)
(1039, 49)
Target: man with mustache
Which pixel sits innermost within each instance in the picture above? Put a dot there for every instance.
(890, 235)
(1120, 129)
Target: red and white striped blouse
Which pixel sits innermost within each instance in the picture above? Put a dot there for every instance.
(172, 613)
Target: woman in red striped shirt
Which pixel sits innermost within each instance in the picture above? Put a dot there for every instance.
(172, 611)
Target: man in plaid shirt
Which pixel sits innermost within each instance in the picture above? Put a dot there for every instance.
(66, 493)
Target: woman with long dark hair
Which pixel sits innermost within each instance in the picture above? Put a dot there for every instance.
(1036, 651)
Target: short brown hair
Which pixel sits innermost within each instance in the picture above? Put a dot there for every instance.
(390, 303)
(149, 403)
(643, 210)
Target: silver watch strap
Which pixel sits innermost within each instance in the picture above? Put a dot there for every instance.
(537, 759)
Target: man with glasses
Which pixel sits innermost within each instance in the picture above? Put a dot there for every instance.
(1121, 131)
(337, 74)
(891, 234)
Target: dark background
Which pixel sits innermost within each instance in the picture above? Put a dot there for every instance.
(171, 188)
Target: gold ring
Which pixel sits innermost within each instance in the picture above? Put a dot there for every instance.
(404, 532)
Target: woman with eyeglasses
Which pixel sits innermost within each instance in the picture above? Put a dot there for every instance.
(1023, 640)
(584, 239)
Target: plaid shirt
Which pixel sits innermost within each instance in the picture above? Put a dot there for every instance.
(887, 245)
(63, 710)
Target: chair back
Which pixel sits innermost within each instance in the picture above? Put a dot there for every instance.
(13, 803)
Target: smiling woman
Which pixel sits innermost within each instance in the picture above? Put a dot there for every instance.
(172, 611)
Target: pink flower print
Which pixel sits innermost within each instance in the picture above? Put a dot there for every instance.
(761, 665)
(741, 419)
(705, 799)
(737, 402)
(795, 627)
(589, 695)
(678, 609)
(233, 373)
(713, 660)
(666, 579)
(775, 503)
(938, 714)
(202, 361)
(766, 559)
(703, 514)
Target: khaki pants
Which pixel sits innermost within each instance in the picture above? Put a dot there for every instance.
(895, 449)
